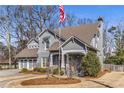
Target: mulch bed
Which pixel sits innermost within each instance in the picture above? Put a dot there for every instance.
(50, 81)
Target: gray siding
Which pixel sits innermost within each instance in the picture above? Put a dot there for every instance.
(73, 45)
(41, 52)
(33, 44)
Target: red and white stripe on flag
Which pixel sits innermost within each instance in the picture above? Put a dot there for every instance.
(62, 14)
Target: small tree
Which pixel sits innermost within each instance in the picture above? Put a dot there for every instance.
(91, 64)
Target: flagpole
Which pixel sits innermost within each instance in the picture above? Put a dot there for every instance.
(62, 17)
(59, 52)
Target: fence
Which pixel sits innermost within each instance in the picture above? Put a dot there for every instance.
(111, 67)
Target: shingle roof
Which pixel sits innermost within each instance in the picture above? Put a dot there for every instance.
(54, 46)
(27, 53)
(83, 32)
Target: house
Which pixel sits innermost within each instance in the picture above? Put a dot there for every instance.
(72, 42)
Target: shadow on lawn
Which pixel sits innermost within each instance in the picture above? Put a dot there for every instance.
(101, 83)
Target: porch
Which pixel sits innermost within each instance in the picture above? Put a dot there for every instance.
(69, 62)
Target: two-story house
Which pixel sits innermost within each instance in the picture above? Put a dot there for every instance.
(71, 42)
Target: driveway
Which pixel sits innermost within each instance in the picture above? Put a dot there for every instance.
(109, 80)
(113, 79)
(83, 84)
(11, 72)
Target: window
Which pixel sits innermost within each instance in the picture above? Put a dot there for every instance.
(46, 43)
(22, 60)
(30, 60)
(55, 59)
(34, 62)
(30, 64)
(45, 61)
(25, 63)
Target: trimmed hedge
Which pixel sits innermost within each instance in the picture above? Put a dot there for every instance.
(56, 71)
(24, 70)
(91, 64)
(41, 70)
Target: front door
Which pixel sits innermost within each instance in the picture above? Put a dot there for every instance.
(75, 62)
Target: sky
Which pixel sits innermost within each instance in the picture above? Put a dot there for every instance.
(110, 13)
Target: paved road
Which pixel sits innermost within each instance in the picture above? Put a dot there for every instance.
(12, 72)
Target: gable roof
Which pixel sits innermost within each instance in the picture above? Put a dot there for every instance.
(83, 32)
(26, 53)
(55, 46)
(32, 40)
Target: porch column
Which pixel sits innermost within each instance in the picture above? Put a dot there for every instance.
(62, 64)
(67, 58)
(19, 64)
(51, 60)
(27, 64)
(67, 66)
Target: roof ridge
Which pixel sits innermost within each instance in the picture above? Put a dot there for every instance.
(96, 23)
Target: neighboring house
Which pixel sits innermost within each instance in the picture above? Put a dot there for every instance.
(75, 42)
(4, 63)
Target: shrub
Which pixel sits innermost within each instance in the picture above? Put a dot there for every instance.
(116, 60)
(36, 69)
(61, 73)
(41, 70)
(91, 64)
(56, 71)
(24, 70)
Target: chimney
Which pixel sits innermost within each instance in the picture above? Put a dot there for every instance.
(100, 21)
(100, 42)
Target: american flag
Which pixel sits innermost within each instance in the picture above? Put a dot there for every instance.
(62, 14)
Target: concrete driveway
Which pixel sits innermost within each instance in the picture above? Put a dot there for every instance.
(109, 80)
(11, 72)
(113, 79)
